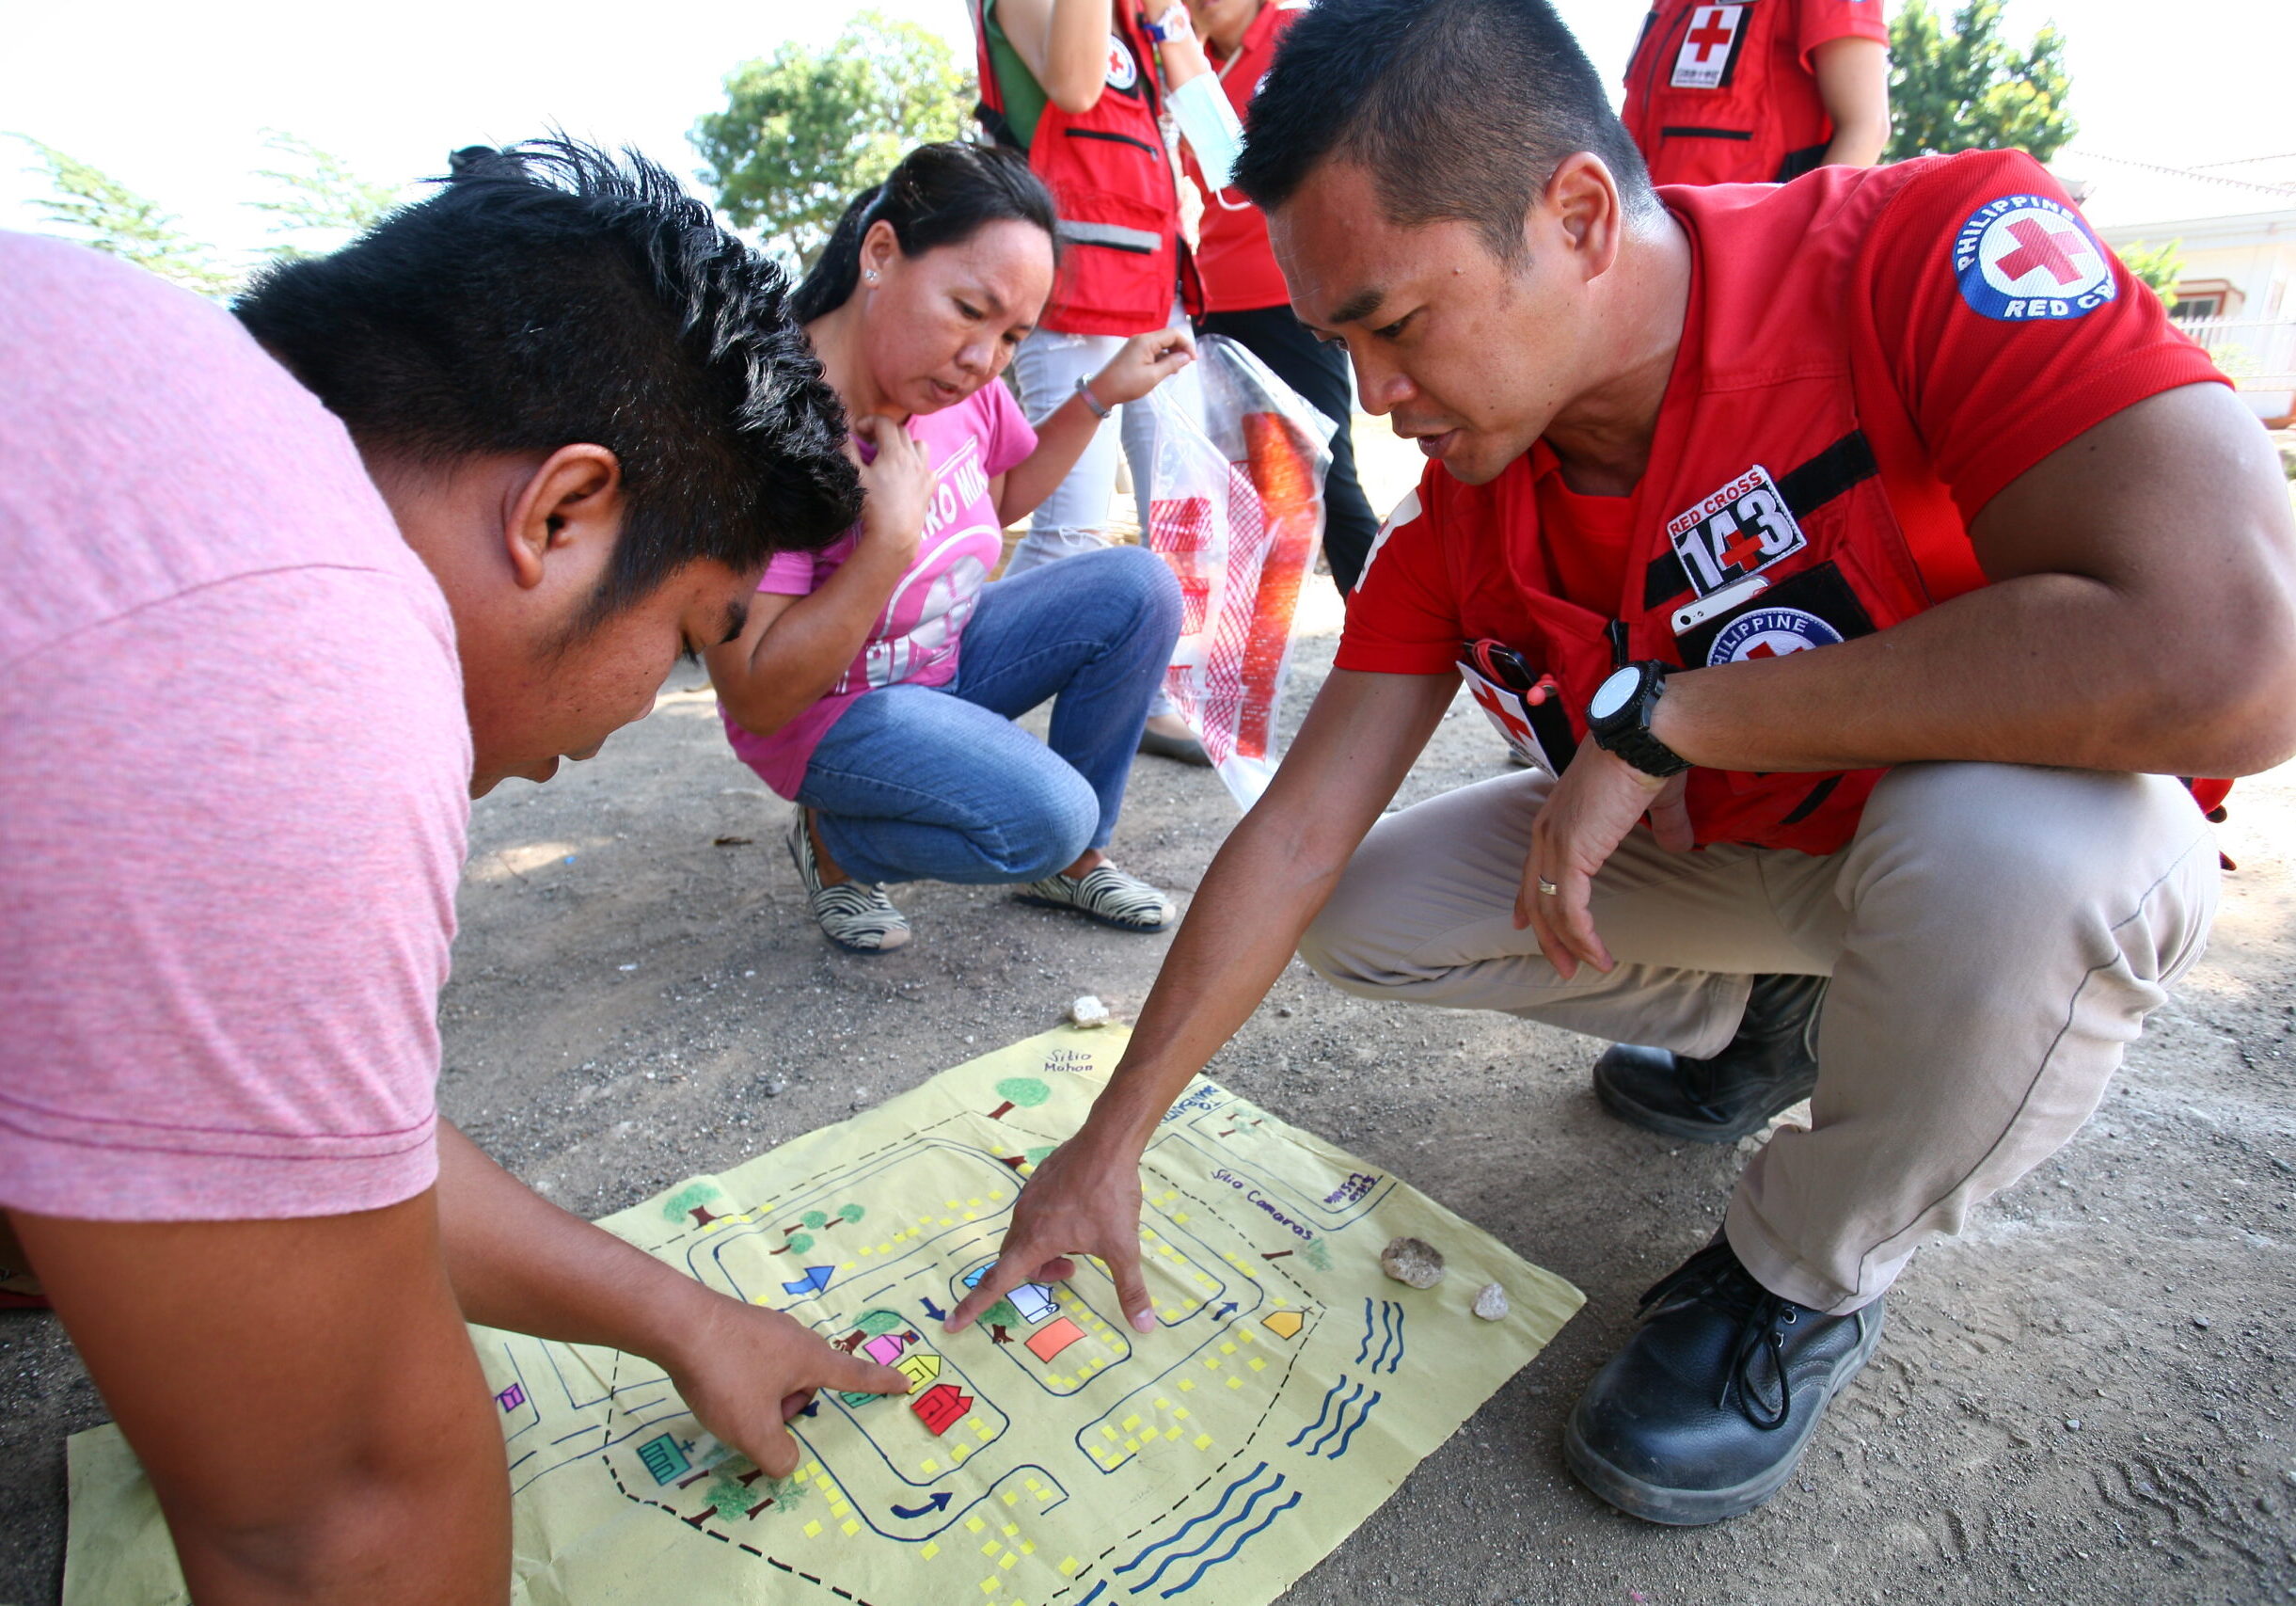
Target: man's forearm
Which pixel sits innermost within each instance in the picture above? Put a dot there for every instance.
(1248, 913)
(519, 1262)
(2144, 618)
(2026, 672)
(1269, 880)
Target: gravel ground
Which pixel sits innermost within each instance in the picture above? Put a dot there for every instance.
(2085, 1398)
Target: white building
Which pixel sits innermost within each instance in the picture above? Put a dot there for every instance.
(2235, 226)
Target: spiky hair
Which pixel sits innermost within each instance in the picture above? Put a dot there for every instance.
(548, 294)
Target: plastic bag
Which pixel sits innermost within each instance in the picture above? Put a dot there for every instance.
(1236, 508)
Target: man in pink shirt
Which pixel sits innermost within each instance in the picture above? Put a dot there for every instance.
(283, 593)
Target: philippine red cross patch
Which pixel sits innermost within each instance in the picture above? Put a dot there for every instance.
(1739, 530)
(2026, 257)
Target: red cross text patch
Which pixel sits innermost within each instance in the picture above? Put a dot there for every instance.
(1741, 529)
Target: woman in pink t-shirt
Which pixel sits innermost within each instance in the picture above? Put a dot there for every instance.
(877, 682)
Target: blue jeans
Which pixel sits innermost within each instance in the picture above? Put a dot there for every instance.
(935, 783)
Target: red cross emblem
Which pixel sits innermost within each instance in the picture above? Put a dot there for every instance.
(2041, 247)
(1496, 706)
(1709, 34)
(1742, 550)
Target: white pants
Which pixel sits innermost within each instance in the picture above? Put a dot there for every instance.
(1996, 935)
(1074, 518)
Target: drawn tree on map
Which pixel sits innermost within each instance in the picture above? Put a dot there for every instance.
(1022, 1093)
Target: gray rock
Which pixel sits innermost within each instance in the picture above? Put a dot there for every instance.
(1411, 1262)
(1491, 1302)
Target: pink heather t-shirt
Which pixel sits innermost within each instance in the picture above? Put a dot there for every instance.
(915, 637)
(234, 773)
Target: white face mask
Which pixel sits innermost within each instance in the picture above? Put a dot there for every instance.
(1210, 127)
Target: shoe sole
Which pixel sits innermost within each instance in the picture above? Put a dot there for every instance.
(1667, 1125)
(1696, 1508)
(1096, 919)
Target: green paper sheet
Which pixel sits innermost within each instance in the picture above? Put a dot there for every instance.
(1049, 1458)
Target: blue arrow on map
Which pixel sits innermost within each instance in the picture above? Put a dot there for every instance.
(1226, 1310)
(938, 1503)
(813, 1282)
(933, 1311)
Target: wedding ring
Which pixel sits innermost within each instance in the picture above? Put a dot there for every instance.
(1547, 887)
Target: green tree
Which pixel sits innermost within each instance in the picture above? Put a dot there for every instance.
(803, 131)
(319, 196)
(104, 213)
(1964, 87)
(2159, 267)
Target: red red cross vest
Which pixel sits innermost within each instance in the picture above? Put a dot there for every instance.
(1789, 502)
(1719, 94)
(1233, 259)
(1112, 182)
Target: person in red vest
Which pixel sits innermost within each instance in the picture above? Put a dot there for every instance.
(1074, 84)
(1864, 552)
(1759, 92)
(1244, 297)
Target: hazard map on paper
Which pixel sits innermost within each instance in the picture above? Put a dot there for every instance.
(1048, 1456)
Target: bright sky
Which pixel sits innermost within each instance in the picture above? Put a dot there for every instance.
(173, 100)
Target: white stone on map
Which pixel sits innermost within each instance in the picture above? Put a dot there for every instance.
(1491, 1303)
(1088, 1011)
(1409, 1261)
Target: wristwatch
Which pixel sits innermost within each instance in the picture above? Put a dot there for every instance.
(1174, 24)
(1618, 717)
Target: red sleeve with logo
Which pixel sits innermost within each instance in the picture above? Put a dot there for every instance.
(1824, 19)
(1404, 617)
(2006, 323)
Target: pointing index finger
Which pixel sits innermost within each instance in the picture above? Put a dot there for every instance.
(999, 1280)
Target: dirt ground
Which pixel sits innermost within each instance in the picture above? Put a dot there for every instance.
(2086, 1398)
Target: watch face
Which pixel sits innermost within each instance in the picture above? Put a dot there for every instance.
(1612, 695)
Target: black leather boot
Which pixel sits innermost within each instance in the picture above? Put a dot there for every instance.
(1771, 1063)
(1705, 1412)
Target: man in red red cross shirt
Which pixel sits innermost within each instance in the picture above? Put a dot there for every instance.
(1893, 556)
(1758, 91)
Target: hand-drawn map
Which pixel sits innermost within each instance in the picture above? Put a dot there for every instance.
(1048, 1457)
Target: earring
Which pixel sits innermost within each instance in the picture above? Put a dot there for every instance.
(873, 276)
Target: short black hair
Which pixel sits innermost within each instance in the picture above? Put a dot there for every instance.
(939, 195)
(548, 294)
(1460, 109)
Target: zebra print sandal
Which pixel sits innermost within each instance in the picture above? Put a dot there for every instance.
(855, 915)
(1107, 895)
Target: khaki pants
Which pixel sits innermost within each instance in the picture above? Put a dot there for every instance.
(1996, 935)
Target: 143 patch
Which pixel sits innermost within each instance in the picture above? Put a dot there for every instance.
(2026, 257)
(1739, 530)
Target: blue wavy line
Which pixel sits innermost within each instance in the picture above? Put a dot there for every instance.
(1244, 1514)
(1365, 1348)
(1387, 1333)
(1402, 1316)
(1177, 1535)
(1203, 1567)
(1348, 1436)
(1320, 1415)
(1088, 1599)
(1333, 1431)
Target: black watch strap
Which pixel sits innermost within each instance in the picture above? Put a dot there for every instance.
(1626, 732)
